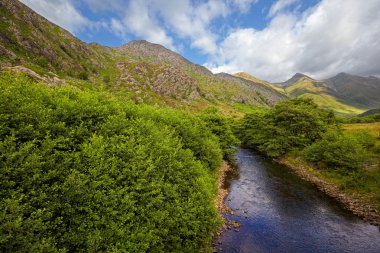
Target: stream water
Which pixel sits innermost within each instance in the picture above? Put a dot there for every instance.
(279, 212)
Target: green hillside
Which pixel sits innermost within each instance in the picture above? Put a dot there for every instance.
(139, 70)
(321, 95)
(256, 80)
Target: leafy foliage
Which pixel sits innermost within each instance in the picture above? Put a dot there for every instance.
(222, 128)
(82, 171)
(290, 124)
(337, 150)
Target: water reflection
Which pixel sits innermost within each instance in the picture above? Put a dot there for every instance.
(279, 212)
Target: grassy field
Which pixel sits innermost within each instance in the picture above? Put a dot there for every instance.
(329, 102)
(372, 128)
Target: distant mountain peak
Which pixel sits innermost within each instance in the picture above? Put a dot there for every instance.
(249, 77)
(295, 78)
(142, 43)
(343, 74)
(300, 75)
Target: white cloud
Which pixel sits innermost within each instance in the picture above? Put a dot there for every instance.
(160, 20)
(192, 22)
(139, 19)
(60, 12)
(279, 6)
(332, 37)
(117, 28)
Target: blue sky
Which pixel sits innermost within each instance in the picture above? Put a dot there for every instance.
(271, 39)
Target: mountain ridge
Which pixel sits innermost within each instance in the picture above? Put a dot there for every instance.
(344, 93)
(140, 70)
(150, 73)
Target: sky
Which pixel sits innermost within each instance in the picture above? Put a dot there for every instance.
(270, 39)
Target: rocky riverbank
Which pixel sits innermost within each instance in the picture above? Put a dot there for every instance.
(352, 203)
(222, 191)
(222, 207)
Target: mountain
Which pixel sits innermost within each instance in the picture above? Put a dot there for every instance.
(30, 40)
(370, 112)
(362, 92)
(259, 81)
(138, 70)
(343, 93)
(296, 78)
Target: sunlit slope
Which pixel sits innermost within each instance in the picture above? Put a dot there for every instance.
(303, 86)
(321, 94)
(256, 80)
(139, 70)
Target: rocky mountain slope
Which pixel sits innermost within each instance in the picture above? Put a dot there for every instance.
(344, 93)
(139, 70)
(30, 40)
(362, 92)
(256, 80)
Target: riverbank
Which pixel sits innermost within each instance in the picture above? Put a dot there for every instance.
(356, 204)
(222, 207)
(220, 203)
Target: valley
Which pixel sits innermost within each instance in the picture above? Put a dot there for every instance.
(134, 148)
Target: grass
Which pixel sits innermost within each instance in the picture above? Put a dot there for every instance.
(329, 102)
(256, 80)
(303, 86)
(362, 184)
(309, 89)
(374, 130)
(371, 128)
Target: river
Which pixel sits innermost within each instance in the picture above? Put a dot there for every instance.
(279, 212)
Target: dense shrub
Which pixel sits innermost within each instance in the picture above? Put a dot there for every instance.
(222, 128)
(337, 150)
(82, 171)
(292, 124)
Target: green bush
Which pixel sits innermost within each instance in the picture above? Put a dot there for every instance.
(222, 128)
(292, 124)
(337, 150)
(83, 171)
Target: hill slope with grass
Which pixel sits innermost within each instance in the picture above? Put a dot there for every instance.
(345, 94)
(141, 71)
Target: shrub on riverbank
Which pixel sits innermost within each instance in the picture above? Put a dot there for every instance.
(298, 128)
(83, 171)
(338, 150)
(222, 127)
(292, 124)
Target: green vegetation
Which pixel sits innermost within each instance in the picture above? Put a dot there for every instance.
(292, 124)
(348, 156)
(371, 128)
(338, 150)
(256, 80)
(329, 102)
(363, 118)
(221, 127)
(85, 171)
(320, 94)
